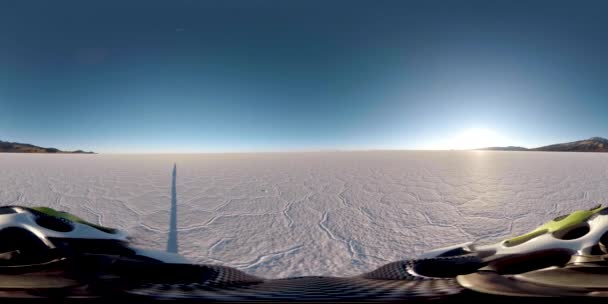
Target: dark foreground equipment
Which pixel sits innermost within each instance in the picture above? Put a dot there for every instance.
(47, 255)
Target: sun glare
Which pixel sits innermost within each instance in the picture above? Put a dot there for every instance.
(476, 138)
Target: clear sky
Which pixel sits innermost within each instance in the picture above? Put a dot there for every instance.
(251, 75)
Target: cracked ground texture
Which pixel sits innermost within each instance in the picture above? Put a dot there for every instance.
(321, 213)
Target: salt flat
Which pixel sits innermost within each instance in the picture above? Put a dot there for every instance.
(321, 213)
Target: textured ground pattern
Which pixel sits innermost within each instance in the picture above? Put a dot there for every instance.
(295, 214)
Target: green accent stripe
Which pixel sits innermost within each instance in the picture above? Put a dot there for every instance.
(71, 217)
(573, 219)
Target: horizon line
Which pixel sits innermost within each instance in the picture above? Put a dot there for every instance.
(273, 151)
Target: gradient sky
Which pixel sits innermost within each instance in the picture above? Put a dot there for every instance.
(197, 76)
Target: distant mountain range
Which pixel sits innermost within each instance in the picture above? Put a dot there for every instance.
(13, 147)
(593, 144)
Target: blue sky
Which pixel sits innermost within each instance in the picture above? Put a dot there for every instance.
(212, 76)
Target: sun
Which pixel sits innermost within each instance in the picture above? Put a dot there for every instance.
(476, 138)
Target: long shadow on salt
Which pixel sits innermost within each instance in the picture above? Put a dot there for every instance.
(172, 240)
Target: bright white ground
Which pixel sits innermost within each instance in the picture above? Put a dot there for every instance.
(292, 214)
